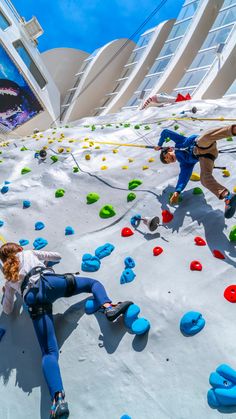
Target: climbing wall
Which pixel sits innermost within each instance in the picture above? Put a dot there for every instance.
(79, 200)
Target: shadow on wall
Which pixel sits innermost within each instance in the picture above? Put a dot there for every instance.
(19, 349)
(213, 221)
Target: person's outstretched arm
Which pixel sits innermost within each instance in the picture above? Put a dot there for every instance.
(184, 176)
(47, 256)
(8, 299)
(174, 136)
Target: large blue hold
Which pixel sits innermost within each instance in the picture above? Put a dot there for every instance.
(90, 263)
(125, 417)
(127, 276)
(192, 323)
(1, 223)
(131, 315)
(69, 231)
(23, 242)
(105, 250)
(39, 243)
(140, 326)
(223, 392)
(129, 262)
(39, 225)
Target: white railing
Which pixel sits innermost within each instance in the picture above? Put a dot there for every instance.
(13, 10)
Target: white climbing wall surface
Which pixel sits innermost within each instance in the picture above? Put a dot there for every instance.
(107, 371)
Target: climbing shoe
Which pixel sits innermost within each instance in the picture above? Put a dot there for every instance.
(230, 205)
(115, 311)
(59, 408)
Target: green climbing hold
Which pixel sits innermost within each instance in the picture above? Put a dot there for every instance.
(147, 127)
(107, 211)
(92, 197)
(176, 127)
(93, 127)
(75, 169)
(137, 126)
(167, 139)
(232, 234)
(229, 139)
(134, 184)
(24, 148)
(25, 170)
(54, 159)
(127, 125)
(59, 193)
(180, 198)
(197, 191)
(131, 196)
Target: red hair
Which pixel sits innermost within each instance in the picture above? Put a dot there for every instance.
(11, 263)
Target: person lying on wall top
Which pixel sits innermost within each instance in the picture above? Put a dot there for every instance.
(27, 274)
(194, 149)
(163, 99)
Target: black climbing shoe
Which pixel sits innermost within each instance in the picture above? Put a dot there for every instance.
(60, 409)
(230, 205)
(115, 311)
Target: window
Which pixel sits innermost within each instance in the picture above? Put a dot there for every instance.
(216, 37)
(232, 89)
(159, 65)
(225, 17)
(169, 47)
(4, 22)
(143, 40)
(179, 29)
(203, 58)
(30, 63)
(192, 78)
(188, 10)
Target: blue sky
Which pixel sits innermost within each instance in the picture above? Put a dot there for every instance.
(89, 24)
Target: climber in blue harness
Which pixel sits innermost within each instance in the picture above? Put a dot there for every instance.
(26, 272)
(190, 150)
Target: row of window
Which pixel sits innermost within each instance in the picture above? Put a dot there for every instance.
(25, 56)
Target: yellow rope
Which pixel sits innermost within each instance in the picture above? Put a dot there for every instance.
(117, 144)
(2, 239)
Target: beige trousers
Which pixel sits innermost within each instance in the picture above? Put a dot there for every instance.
(207, 165)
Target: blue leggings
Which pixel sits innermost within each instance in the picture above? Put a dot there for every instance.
(50, 289)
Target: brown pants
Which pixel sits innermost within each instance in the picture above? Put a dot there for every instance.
(207, 165)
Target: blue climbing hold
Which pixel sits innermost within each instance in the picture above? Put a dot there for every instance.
(39, 243)
(223, 392)
(129, 262)
(131, 315)
(90, 263)
(7, 182)
(26, 204)
(127, 276)
(39, 225)
(1, 223)
(105, 250)
(4, 189)
(125, 417)
(91, 306)
(135, 220)
(69, 231)
(192, 323)
(23, 242)
(140, 326)
(2, 333)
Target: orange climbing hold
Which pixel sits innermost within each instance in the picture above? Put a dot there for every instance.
(167, 217)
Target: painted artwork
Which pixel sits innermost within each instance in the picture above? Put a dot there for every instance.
(18, 103)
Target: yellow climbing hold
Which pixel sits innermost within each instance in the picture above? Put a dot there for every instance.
(71, 141)
(68, 150)
(131, 160)
(104, 159)
(60, 149)
(85, 146)
(104, 167)
(115, 150)
(45, 147)
(41, 136)
(50, 141)
(195, 176)
(125, 167)
(226, 173)
(145, 167)
(97, 147)
(59, 141)
(151, 160)
(234, 189)
(87, 157)
(91, 143)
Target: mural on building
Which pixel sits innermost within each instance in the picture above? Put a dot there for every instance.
(18, 103)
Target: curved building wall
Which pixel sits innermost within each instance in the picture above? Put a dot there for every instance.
(211, 74)
(61, 62)
(98, 75)
(149, 45)
(36, 76)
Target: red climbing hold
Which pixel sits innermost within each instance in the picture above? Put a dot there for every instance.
(126, 232)
(199, 241)
(195, 266)
(218, 254)
(157, 251)
(230, 293)
(167, 217)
